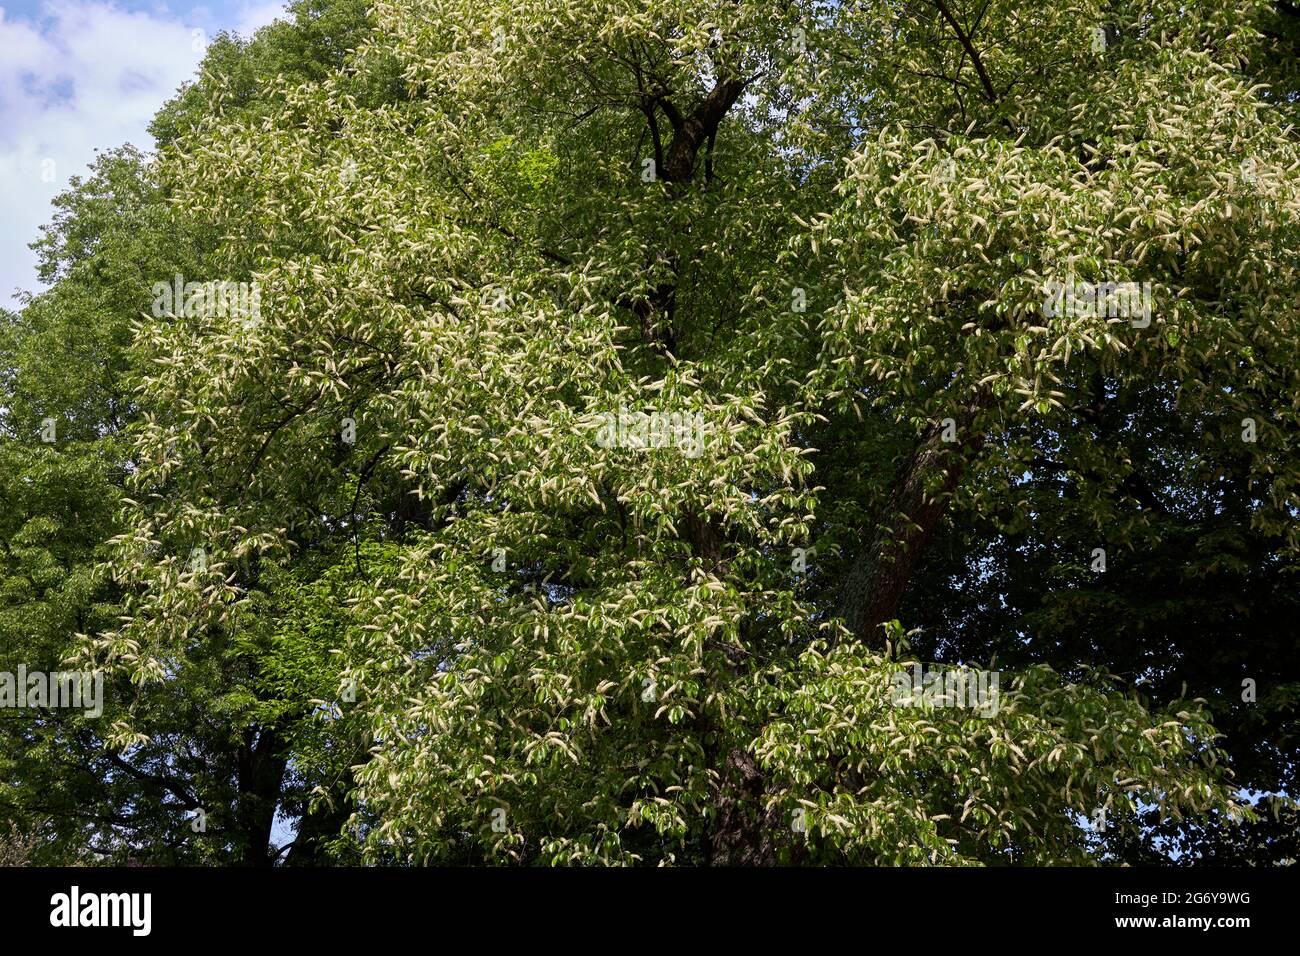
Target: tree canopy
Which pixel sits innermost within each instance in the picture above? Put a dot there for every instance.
(634, 391)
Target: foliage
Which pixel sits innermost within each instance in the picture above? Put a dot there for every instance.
(813, 237)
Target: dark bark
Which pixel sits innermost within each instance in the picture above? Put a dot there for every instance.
(694, 130)
(675, 164)
(260, 766)
(878, 578)
(744, 833)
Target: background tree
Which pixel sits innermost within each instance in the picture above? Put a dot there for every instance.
(230, 737)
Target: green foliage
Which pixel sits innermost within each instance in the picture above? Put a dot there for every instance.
(815, 237)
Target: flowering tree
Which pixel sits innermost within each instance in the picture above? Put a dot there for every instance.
(617, 366)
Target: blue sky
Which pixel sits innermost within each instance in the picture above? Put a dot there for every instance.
(81, 75)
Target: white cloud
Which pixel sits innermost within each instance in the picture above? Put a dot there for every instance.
(87, 75)
(254, 16)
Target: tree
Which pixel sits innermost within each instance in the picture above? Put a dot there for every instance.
(848, 256)
(228, 742)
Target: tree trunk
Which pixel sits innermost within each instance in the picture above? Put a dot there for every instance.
(878, 578)
(260, 766)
